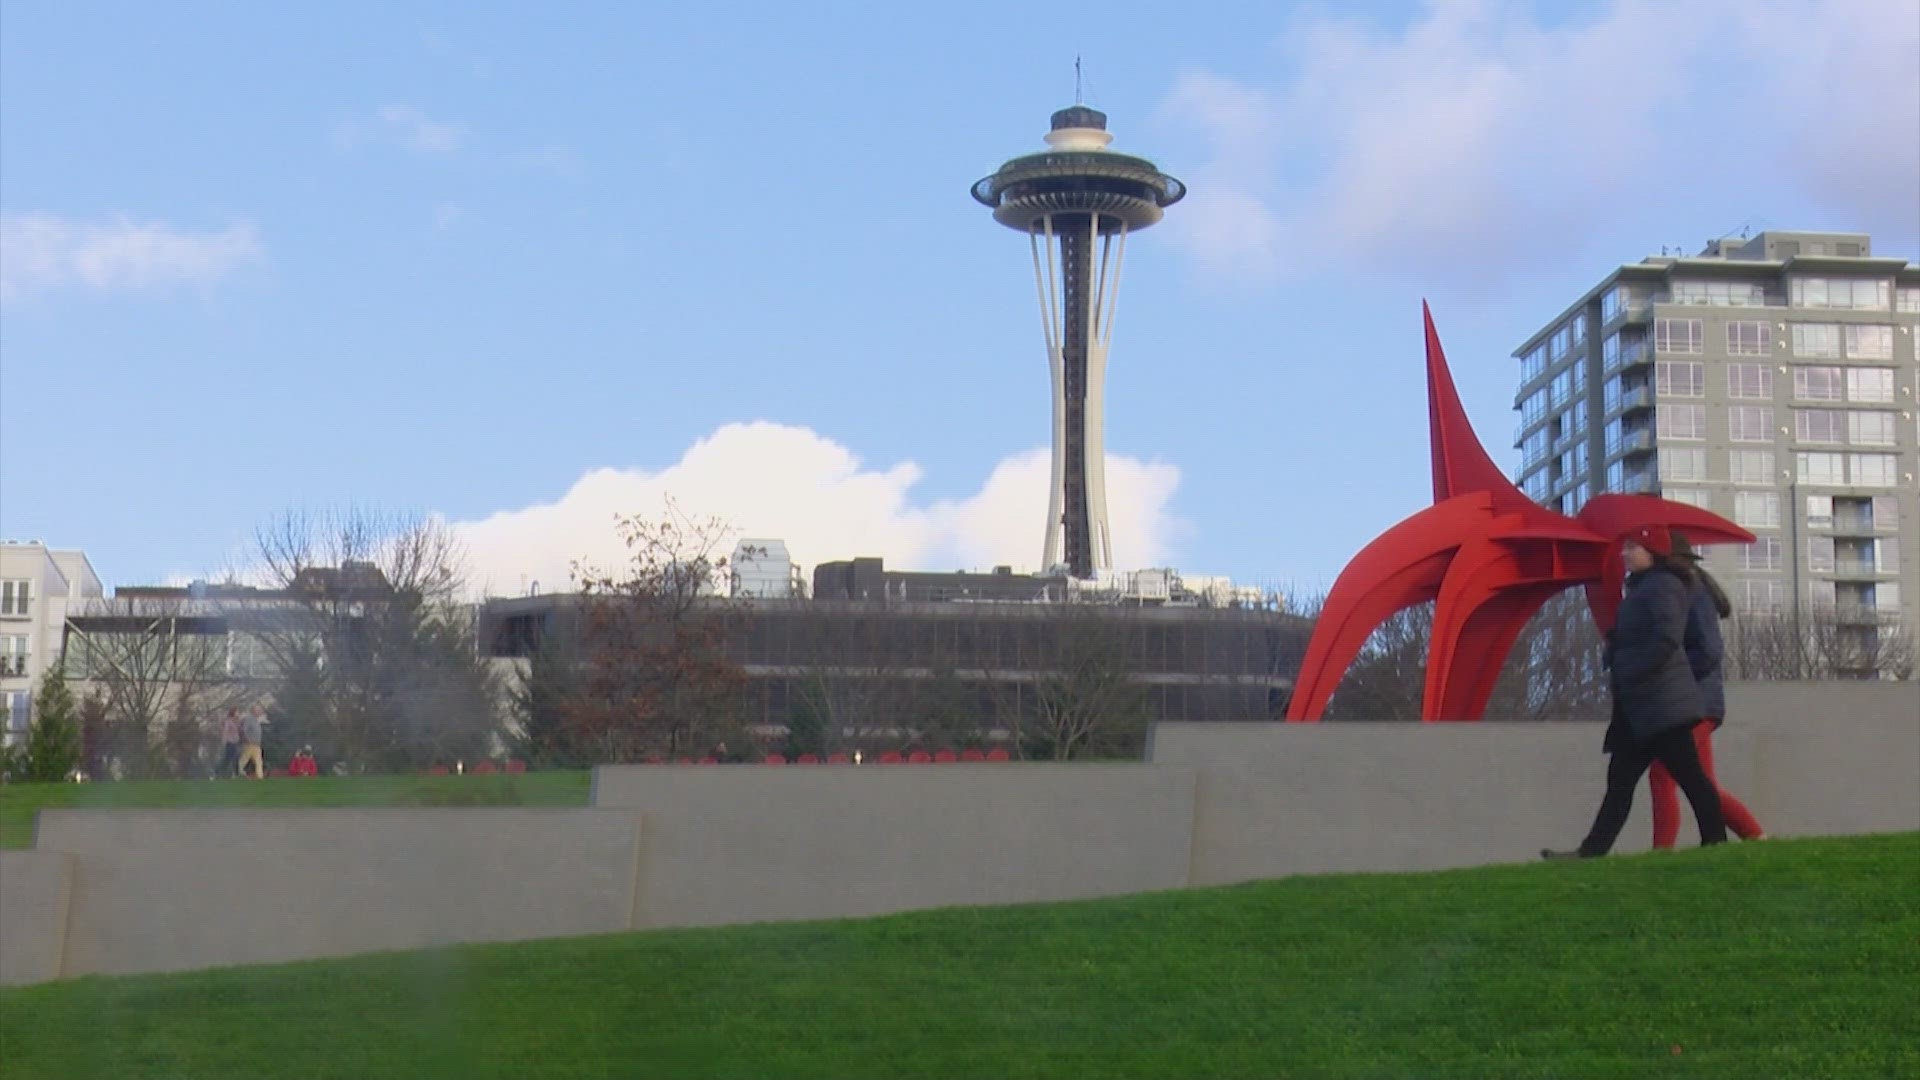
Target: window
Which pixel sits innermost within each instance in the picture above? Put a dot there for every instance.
(1535, 406)
(1886, 555)
(1870, 384)
(1886, 597)
(14, 596)
(1680, 466)
(1816, 340)
(1676, 335)
(1562, 388)
(1820, 553)
(1614, 302)
(1762, 554)
(1820, 595)
(1750, 381)
(1756, 509)
(1536, 485)
(1699, 497)
(1822, 468)
(1819, 511)
(1870, 342)
(19, 711)
(1534, 447)
(1533, 364)
(1750, 423)
(1886, 512)
(1872, 470)
(1751, 467)
(1680, 421)
(1761, 596)
(1907, 300)
(1816, 383)
(13, 655)
(1870, 427)
(1842, 293)
(1680, 378)
(1749, 339)
(1819, 425)
(1719, 293)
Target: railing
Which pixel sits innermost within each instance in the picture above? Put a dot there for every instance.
(1639, 484)
(1855, 567)
(1631, 442)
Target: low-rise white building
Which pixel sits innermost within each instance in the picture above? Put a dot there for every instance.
(38, 586)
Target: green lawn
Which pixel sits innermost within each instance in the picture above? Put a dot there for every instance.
(19, 802)
(1774, 960)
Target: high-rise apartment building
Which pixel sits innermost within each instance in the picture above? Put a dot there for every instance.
(1771, 380)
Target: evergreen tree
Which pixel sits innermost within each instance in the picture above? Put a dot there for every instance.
(53, 745)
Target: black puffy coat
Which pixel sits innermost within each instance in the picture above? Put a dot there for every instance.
(1706, 649)
(1653, 686)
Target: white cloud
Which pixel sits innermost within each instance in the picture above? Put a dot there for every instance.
(1476, 132)
(40, 251)
(774, 480)
(404, 126)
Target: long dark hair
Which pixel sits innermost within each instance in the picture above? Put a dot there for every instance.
(1677, 565)
(1720, 602)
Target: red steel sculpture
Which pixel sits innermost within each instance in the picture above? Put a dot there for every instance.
(1487, 556)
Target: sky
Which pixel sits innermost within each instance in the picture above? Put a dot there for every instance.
(528, 269)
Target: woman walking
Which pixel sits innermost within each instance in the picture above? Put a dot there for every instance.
(1706, 652)
(1656, 703)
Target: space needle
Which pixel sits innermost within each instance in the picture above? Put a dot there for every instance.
(1077, 201)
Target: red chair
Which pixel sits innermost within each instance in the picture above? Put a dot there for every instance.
(996, 754)
(972, 755)
(891, 757)
(775, 759)
(709, 761)
(485, 768)
(683, 761)
(281, 771)
(919, 757)
(438, 770)
(838, 758)
(945, 757)
(515, 768)
(807, 759)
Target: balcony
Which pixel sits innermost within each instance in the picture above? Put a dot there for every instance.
(1640, 484)
(1856, 568)
(1849, 614)
(1631, 400)
(1631, 442)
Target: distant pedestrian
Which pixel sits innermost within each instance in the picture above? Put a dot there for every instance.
(230, 744)
(250, 739)
(1706, 653)
(1656, 702)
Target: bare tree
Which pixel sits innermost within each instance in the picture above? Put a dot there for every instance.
(371, 646)
(656, 675)
(1820, 642)
(1087, 700)
(160, 670)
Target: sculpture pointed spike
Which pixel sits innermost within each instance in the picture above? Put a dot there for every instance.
(1460, 462)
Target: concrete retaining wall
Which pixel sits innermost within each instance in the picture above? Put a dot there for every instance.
(163, 890)
(131, 891)
(34, 891)
(726, 845)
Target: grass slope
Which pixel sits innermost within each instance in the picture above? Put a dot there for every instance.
(19, 802)
(1783, 959)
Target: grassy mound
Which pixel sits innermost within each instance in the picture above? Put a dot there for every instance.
(1782, 959)
(19, 802)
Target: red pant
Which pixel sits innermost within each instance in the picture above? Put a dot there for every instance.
(1666, 804)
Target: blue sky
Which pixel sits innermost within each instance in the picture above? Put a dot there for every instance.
(528, 269)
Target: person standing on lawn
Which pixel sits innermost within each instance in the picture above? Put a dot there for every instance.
(230, 744)
(1706, 653)
(250, 737)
